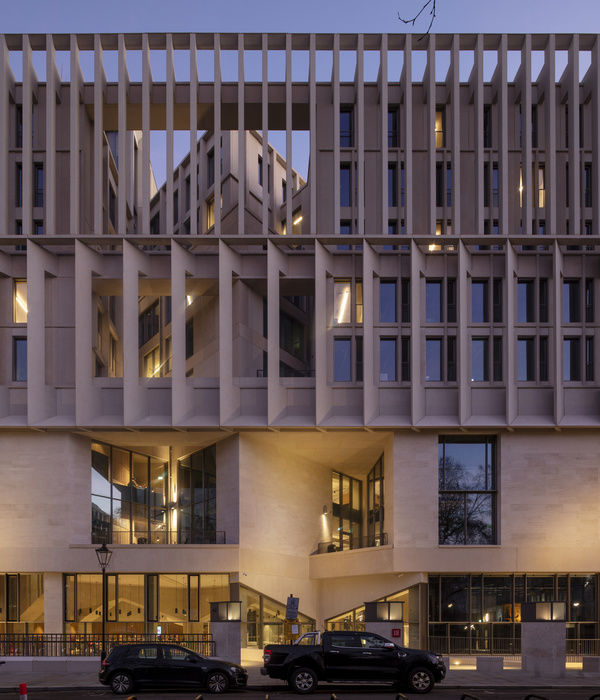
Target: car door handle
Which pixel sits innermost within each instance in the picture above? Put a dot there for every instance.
(367, 653)
(334, 652)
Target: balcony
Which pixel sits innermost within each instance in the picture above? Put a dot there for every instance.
(355, 543)
(168, 537)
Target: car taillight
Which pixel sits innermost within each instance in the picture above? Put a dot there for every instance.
(104, 662)
(267, 656)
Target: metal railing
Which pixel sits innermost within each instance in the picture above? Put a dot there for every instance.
(166, 537)
(354, 543)
(91, 644)
(577, 648)
(476, 646)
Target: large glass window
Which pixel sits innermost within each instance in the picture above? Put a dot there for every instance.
(165, 604)
(387, 301)
(342, 367)
(38, 185)
(19, 359)
(571, 301)
(346, 496)
(387, 359)
(480, 359)
(482, 612)
(392, 185)
(440, 127)
(342, 301)
(375, 513)
(525, 301)
(526, 359)
(129, 497)
(433, 359)
(393, 131)
(572, 359)
(433, 301)
(346, 126)
(345, 185)
(20, 301)
(479, 301)
(467, 490)
(21, 604)
(197, 502)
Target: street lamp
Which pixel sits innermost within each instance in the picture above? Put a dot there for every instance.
(104, 554)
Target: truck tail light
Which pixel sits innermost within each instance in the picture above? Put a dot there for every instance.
(267, 656)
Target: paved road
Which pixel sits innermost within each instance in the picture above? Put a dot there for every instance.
(325, 693)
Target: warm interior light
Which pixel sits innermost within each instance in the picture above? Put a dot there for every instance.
(21, 303)
(298, 220)
(344, 304)
(189, 300)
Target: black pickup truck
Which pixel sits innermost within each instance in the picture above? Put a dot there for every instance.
(351, 657)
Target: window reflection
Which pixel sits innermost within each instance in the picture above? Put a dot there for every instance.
(342, 301)
(20, 301)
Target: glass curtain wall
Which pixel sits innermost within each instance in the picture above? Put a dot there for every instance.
(475, 613)
(129, 497)
(347, 511)
(21, 603)
(263, 620)
(375, 509)
(167, 604)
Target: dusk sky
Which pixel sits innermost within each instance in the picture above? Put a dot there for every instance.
(460, 16)
(303, 16)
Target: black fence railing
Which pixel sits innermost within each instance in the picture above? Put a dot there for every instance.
(91, 644)
(480, 646)
(476, 646)
(165, 537)
(354, 543)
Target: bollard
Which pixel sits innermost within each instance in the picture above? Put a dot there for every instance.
(22, 691)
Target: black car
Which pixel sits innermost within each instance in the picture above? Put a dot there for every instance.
(130, 666)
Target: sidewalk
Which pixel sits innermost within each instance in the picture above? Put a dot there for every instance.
(463, 677)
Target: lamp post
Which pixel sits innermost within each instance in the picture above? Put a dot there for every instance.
(104, 554)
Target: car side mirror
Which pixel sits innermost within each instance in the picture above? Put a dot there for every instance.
(389, 645)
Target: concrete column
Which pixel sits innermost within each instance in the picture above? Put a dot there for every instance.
(52, 86)
(170, 164)
(227, 637)
(99, 172)
(53, 603)
(75, 188)
(193, 136)
(544, 648)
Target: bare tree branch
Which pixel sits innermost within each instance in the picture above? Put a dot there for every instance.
(412, 20)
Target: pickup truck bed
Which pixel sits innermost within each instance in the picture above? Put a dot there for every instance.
(359, 657)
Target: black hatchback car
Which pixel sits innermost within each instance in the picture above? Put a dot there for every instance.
(130, 666)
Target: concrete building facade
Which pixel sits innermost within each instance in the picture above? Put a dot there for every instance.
(393, 397)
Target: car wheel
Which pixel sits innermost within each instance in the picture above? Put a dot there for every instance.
(303, 681)
(121, 683)
(420, 680)
(217, 682)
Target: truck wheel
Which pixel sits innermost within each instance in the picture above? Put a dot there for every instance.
(420, 681)
(303, 681)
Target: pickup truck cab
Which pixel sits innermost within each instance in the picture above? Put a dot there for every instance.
(351, 657)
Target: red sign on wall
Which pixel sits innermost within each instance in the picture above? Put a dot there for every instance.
(396, 633)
